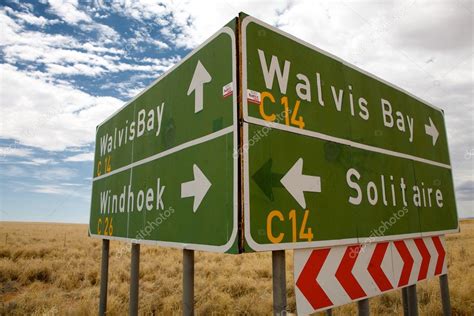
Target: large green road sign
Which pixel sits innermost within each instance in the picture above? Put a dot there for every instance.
(328, 154)
(165, 170)
(333, 155)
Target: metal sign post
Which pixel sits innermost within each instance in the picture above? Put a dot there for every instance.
(363, 306)
(279, 282)
(134, 276)
(445, 301)
(188, 282)
(412, 300)
(405, 301)
(104, 277)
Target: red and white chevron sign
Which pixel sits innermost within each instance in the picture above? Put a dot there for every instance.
(329, 277)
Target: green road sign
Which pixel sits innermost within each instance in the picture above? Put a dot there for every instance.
(328, 154)
(165, 170)
(333, 155)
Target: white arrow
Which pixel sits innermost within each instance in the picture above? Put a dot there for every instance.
(296, 182)
(432, 131)
(196, 188)
(200, 77)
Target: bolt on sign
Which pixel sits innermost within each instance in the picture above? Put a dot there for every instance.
(299, 150)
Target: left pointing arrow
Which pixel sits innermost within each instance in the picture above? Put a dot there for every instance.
(296, 182)
(200, 77)
(196, 188)
(308, 282)
(266, 179)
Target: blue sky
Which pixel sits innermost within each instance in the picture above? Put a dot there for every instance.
(67, 65)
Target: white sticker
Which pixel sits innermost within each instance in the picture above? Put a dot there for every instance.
(253, 96)
(227, 90)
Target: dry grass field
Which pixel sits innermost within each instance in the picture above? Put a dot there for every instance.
(53, 269)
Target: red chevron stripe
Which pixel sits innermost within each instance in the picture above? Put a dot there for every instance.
(425, 255)
(441, 254)
(307, 282)
(375, 268)
(407, 262)
(344, 273)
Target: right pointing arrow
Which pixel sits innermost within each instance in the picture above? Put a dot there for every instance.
(407, 262)
(296, 183)
(425, 258)
(196, 188)
(441, 254)
(432, 131)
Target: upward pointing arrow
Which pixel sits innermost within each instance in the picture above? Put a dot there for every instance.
(432, 131)
(196, 188)
(200, 77)
(296, 182)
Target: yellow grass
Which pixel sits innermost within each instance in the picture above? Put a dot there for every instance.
(53, 269)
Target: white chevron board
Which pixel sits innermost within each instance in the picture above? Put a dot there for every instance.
(330, 277)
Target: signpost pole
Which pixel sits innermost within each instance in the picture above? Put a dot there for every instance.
(445, 301)
(279, 282)
(188, 282)
(412, 300)
(363, 307)
(104, 277)
(405, 301)
(329, 312)
(134, 275)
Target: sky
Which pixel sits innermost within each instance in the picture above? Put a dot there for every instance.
(65, 66)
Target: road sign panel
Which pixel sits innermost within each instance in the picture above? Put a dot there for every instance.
(333, 155)
(330, 277)
(306, 192)
(165, 169)
(329, 98)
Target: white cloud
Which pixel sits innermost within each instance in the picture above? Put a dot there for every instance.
(65, 55)
(52, 116)
(80, 157)
(38, 161)
(13, 151)
(54, 189)
(67, 10)
(46, 174)
(30, 18)
(13, 171)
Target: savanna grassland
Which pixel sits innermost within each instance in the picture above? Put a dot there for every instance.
(53, 269)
